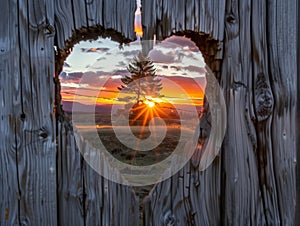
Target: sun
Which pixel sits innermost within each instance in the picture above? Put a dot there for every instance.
(150, 104)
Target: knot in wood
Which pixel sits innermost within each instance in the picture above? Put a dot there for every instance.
(169, 219)
(43, 133)
(23, 116)
(264, 100)
(49, 29)
(230, 18)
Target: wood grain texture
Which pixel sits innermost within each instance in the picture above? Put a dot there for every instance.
(27, 109)
(165, 17)
(297, 221)
(29, 169)
(73, 15)
(9, 188)
(283, 74)
(254, 179)
(44, 179)
(86, 198)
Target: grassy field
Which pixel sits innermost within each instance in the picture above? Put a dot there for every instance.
(130, 156)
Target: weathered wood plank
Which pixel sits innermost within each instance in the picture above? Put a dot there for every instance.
(164, 17)
(64, 23)
(282, 52)
(125, 21)
(94, 8)
(31, 135)
(241, 205)
(10, 104)
(262, 89)
(297, 221)
(109, 13)
(80, 16)
(37, 132)
(85, 197)
(70, 179)
(75, 15)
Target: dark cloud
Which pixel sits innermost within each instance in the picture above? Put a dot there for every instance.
(63, 75)
(66, 64)
(200, 70)
(120, 72)
(177, 68)
(181, 41)
(121, 64)
(125, 99)
(158, 56)
(94, 50)
(71, 76)
(131, 53)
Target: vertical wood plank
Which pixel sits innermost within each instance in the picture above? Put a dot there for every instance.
(80, 16)
(94, 12)
(282, 16)
(297, 221)
(10, 107)
(37, 131)
(64, 22)
(241, 205)
(31, 132)
(70, 179)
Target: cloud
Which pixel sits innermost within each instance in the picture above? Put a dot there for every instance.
(101, 58)
(116, 76)
(186, 43)
(177, 68)
(94, 50)
(131, 53)
(193, 68)
(125, 99)
(71, 76)
(73, 85)
(120, 72)
(158, 56)
(66, 64)
(63, 75)
(121, 64)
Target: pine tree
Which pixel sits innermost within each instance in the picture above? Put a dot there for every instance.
(143, 80)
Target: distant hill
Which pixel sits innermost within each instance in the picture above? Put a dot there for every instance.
(107, 108)
(99, 109)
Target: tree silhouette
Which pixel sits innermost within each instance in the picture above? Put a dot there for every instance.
(143, 81)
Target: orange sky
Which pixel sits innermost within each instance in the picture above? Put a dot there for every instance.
(109, 92)
(137, 24)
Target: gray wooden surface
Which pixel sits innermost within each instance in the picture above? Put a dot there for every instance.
(253, 182)
(44, 179)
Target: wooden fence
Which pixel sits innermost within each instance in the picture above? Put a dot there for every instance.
(251, 47)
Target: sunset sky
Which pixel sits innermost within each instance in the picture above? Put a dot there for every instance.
(102, 64)
(96, 68)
